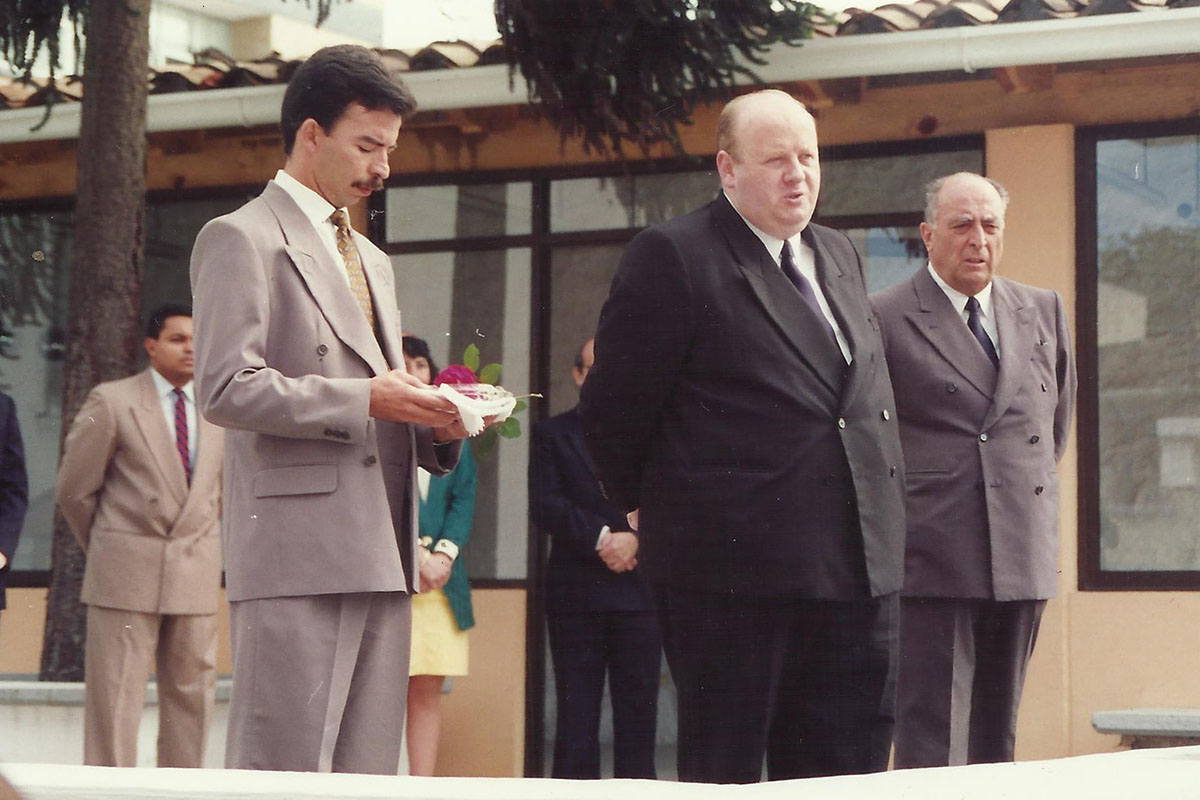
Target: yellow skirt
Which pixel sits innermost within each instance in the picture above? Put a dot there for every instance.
(438, 646)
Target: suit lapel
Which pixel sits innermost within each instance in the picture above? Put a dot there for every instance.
(160, 442)
(1014, 321)
(205, 473)
(779, 299)
(842, 292)
(325, 280)
(383, 294)
(945, 330)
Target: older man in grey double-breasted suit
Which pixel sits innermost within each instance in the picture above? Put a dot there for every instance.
(985, 387)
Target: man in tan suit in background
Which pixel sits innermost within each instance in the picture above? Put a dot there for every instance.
(298, 355)
(139, 485)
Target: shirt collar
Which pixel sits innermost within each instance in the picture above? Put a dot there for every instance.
(958, 299)
(164, 387)
(774, 245)
(313, 205)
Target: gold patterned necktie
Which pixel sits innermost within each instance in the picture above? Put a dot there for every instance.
(353, 263)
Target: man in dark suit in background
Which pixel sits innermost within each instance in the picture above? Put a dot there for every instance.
(741, 409)
(14, 488)
(598, 609)
(985, 387)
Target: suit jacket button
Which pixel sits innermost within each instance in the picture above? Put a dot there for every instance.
(841, 422)
(893, 472)
(1039, 489)
(983, 437)
(951, 388)
(1034, 439)
(886, 416)
(369, 460)
(322, 349)
(1043, 387)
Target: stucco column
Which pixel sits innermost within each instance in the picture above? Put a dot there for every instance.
(1037, 166)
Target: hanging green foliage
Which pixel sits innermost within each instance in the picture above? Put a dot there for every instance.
(26, 26)
(613, 72)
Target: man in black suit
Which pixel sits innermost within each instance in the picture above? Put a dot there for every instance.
(598, 609)
(740, 409)
(14, 488)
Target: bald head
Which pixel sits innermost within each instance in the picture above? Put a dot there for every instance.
(760, 100)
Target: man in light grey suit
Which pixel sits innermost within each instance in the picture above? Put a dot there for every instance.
(985, 387)
(299, 357)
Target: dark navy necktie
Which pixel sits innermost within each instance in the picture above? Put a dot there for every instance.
(788, 264)
(976, 325)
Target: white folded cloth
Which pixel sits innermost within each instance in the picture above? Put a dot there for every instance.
(478, 400)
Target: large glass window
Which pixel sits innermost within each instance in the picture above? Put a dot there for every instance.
(35, 262)
(1138, 285)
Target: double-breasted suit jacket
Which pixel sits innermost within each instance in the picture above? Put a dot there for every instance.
(152, 542)
(153, 575)
(981, 445)
(709, 409)
(318, 495)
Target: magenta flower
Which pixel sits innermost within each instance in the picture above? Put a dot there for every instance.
(455, 374)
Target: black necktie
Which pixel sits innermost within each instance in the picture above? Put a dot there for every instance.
(976, 326)
(788, 264)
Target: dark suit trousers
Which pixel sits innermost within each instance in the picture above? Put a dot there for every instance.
(809, 684)
(962, 668)
(585, 645)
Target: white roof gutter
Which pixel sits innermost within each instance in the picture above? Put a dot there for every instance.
(1115, 36)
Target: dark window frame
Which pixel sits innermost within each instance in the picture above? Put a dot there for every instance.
(1092, 576)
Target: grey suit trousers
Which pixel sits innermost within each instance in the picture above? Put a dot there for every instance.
(962, 669)
(319, 682)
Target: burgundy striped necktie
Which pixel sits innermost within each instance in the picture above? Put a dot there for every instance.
(181, 435)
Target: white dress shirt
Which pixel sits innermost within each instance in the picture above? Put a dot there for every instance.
(318, 210)
(166, 398)
(806, 262)
(959, 301)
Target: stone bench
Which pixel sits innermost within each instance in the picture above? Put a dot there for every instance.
(1151, 727)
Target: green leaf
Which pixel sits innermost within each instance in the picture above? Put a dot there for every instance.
(485, 442)
(520, 406)
(490, 374)
(471, 358)
(510, 428)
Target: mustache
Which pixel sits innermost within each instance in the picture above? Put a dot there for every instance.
(374, 184)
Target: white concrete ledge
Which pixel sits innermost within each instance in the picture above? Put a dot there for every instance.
(1142, 774)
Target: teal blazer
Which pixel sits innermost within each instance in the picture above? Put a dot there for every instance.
(446, 513)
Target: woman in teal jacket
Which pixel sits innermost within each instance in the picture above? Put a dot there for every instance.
(442, 611)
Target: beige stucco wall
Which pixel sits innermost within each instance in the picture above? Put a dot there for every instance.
(1097, 650)
(483, 726)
